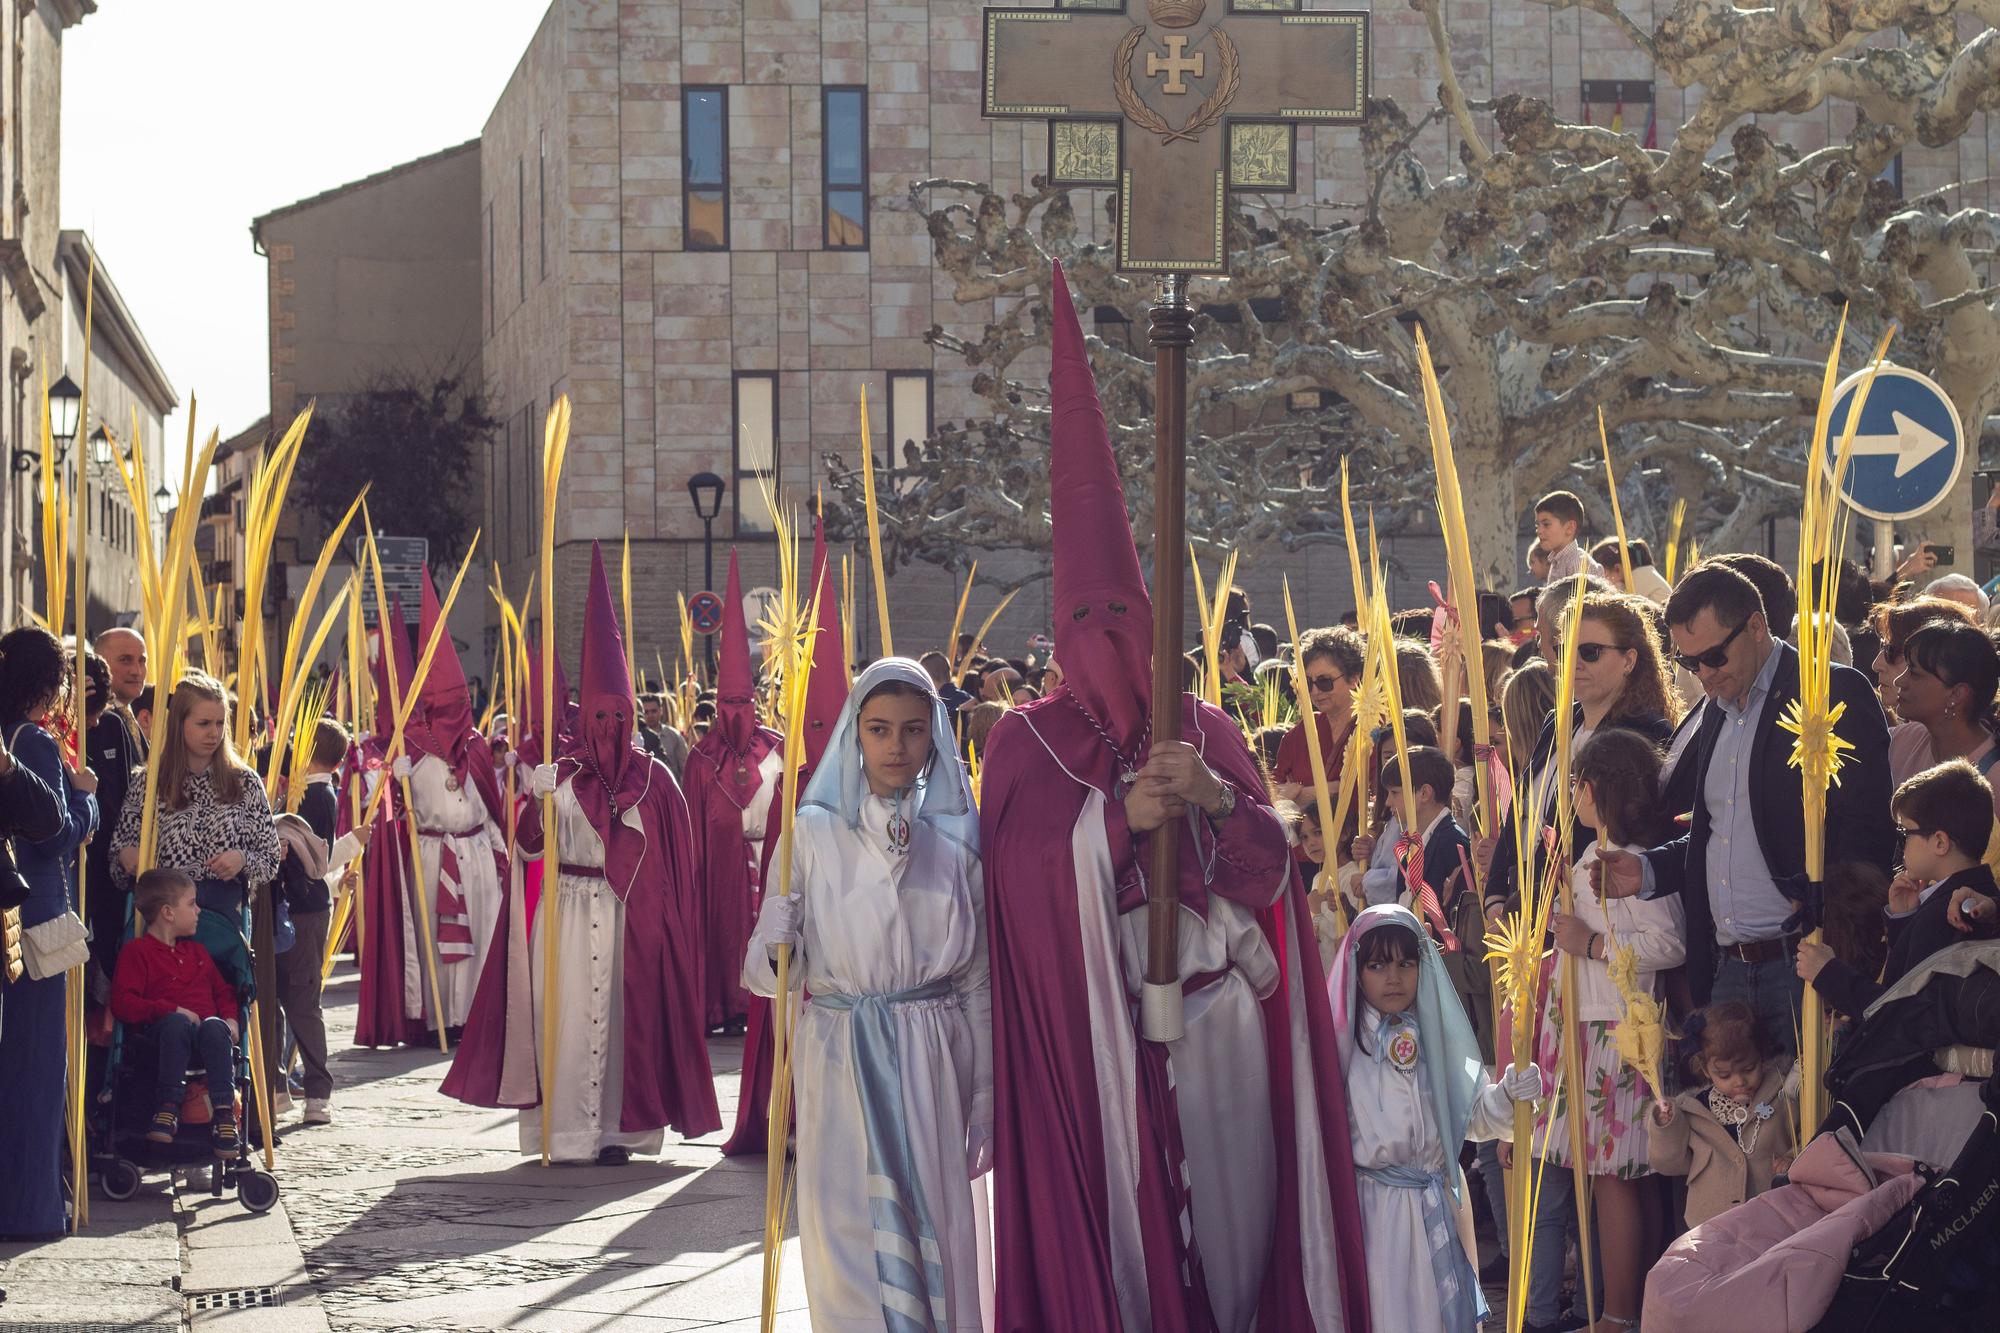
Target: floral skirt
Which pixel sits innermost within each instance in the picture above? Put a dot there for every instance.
(1615, 1102)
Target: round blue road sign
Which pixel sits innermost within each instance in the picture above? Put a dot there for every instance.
(705, 611)
(1909, 445)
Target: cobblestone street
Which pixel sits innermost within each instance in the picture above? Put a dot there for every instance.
(414, 1211)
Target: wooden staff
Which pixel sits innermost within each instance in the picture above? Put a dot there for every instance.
(1172, 334)
(555, 441)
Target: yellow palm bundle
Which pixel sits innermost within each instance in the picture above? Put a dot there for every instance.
(269, 483)
(1675, 522)
(1211, 622)
(1818, 751)
(1641, 1035)
(874, 528)
(300, 654)
(1617, 509)
(1322, 797)
(958, 623)
(305, 733)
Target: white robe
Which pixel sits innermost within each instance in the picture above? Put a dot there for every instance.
(474, 840)
(1391, 1123)
(875, 924)
(587, 1092)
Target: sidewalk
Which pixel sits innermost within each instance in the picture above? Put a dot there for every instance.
(414, 1211)
(119, 1274)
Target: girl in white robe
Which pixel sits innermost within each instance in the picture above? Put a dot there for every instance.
(450, 812)
(1415, 1091)
(892, 1061)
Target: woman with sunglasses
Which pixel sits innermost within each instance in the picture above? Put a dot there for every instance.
(1950, 673)
(1620, 681)
(1894, 623)
(1332, 669)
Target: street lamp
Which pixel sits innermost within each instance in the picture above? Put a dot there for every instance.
(163, 500)
(100, 447)
(64, 400)
(705, 489)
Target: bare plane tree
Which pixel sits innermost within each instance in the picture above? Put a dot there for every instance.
(1561, 269)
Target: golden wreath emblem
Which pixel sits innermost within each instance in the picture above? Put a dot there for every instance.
(1205, 115)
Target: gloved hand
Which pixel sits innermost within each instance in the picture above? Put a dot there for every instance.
(978, 1150)
(510, 758)
(778, 921)
(1522, 1085)
(402, 768)
(542, 780)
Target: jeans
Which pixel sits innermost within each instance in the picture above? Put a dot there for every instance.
(1772, 990)
(1555, 1230)
(178, 1038)
(1494, 1178)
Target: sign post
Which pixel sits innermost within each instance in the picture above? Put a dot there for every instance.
(1173, 107)
(1909, 449)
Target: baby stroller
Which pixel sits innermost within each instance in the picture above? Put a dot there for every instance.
(122, 1154)
(1905, 1234)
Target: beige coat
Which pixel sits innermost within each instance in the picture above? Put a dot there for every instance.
(1698, 1146)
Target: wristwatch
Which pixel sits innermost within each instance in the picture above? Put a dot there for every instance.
(1226, 806)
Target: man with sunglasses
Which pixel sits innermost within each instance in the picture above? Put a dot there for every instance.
(1741, 867)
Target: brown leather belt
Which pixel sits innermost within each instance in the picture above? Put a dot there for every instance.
(1762, 951)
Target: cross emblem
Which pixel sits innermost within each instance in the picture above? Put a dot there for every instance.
(1117, 120)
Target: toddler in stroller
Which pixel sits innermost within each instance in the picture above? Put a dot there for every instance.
(174, 1003)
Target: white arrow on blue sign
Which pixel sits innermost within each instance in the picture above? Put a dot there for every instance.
(1909, 446)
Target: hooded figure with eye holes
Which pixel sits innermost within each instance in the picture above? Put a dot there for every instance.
(630, 1054)
(1204, 1184)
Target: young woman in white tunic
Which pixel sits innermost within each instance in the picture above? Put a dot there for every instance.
(1415, 1091)
(892, 1064)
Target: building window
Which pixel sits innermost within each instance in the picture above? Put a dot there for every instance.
(489, 269)
(756, 436)
(845, 175)
(521, 212)
(542, 197)
(909, 416)
(705, 168)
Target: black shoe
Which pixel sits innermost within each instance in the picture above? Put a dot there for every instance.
(613, 1156)
(1495, 1272)
(1568, 1323)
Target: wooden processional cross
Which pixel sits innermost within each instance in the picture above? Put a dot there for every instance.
(1173, 109)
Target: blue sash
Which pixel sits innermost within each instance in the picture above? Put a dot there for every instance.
(1460, 1299)
(908, 1264)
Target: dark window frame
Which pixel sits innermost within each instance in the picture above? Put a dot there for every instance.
(542, 197)
(738, 474)
(688, 184)
(521, 236)
(827, 187)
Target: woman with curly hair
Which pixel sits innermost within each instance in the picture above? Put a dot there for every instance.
(34, 685)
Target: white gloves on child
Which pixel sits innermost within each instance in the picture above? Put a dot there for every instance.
(1522, 1085)
(542, 780)
(778, 921)
(402, 768)
(510, 758)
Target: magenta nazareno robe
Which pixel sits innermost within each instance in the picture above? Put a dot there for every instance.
(728, 867)
(381, 1019)
(667, 1081)
(1091, 1218)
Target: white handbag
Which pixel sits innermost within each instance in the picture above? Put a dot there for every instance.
(54, 947)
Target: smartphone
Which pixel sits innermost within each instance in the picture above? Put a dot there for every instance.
(1945, 554)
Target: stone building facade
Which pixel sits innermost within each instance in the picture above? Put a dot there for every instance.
(669, 236)
(31, 283)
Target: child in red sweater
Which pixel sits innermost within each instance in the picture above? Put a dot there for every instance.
(168, 983)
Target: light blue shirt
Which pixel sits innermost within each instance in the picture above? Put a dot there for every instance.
(1745, 900)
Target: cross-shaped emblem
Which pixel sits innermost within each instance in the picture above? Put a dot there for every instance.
(1273, 68)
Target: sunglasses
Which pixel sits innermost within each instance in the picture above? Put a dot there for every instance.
(1715, 658)
(1590, 652)
(1325, 684)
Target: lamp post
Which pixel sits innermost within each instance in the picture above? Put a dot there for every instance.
(705, 489)
(100, 447)
(65, 398)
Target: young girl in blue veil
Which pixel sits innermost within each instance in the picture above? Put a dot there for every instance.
(1416, 1090)
(892, 1061)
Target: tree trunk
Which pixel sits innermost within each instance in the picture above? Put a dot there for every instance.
(1492, 521)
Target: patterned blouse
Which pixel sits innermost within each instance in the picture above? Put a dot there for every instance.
(197, 831)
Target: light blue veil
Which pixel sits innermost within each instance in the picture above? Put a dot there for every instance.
(943, 791)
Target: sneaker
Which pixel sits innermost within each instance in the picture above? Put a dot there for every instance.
(223, 1135)
(318, 1112)
(166, 1121)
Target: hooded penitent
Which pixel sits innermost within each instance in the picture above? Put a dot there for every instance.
(732, 782)
(1103, 615)
(380, 1018)
(1128, 1179)
(443, 721)
(635, 808)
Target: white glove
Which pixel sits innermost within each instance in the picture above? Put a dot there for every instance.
(1522, 1085)
(778, 921)
(510, 758)
(542, 780)
(402, 768)
(978, 1150)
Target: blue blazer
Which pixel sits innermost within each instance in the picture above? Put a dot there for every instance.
(47, 863)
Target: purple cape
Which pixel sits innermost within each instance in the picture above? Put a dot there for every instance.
(1051, 1221)
(727, 896)
(667, 1082)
